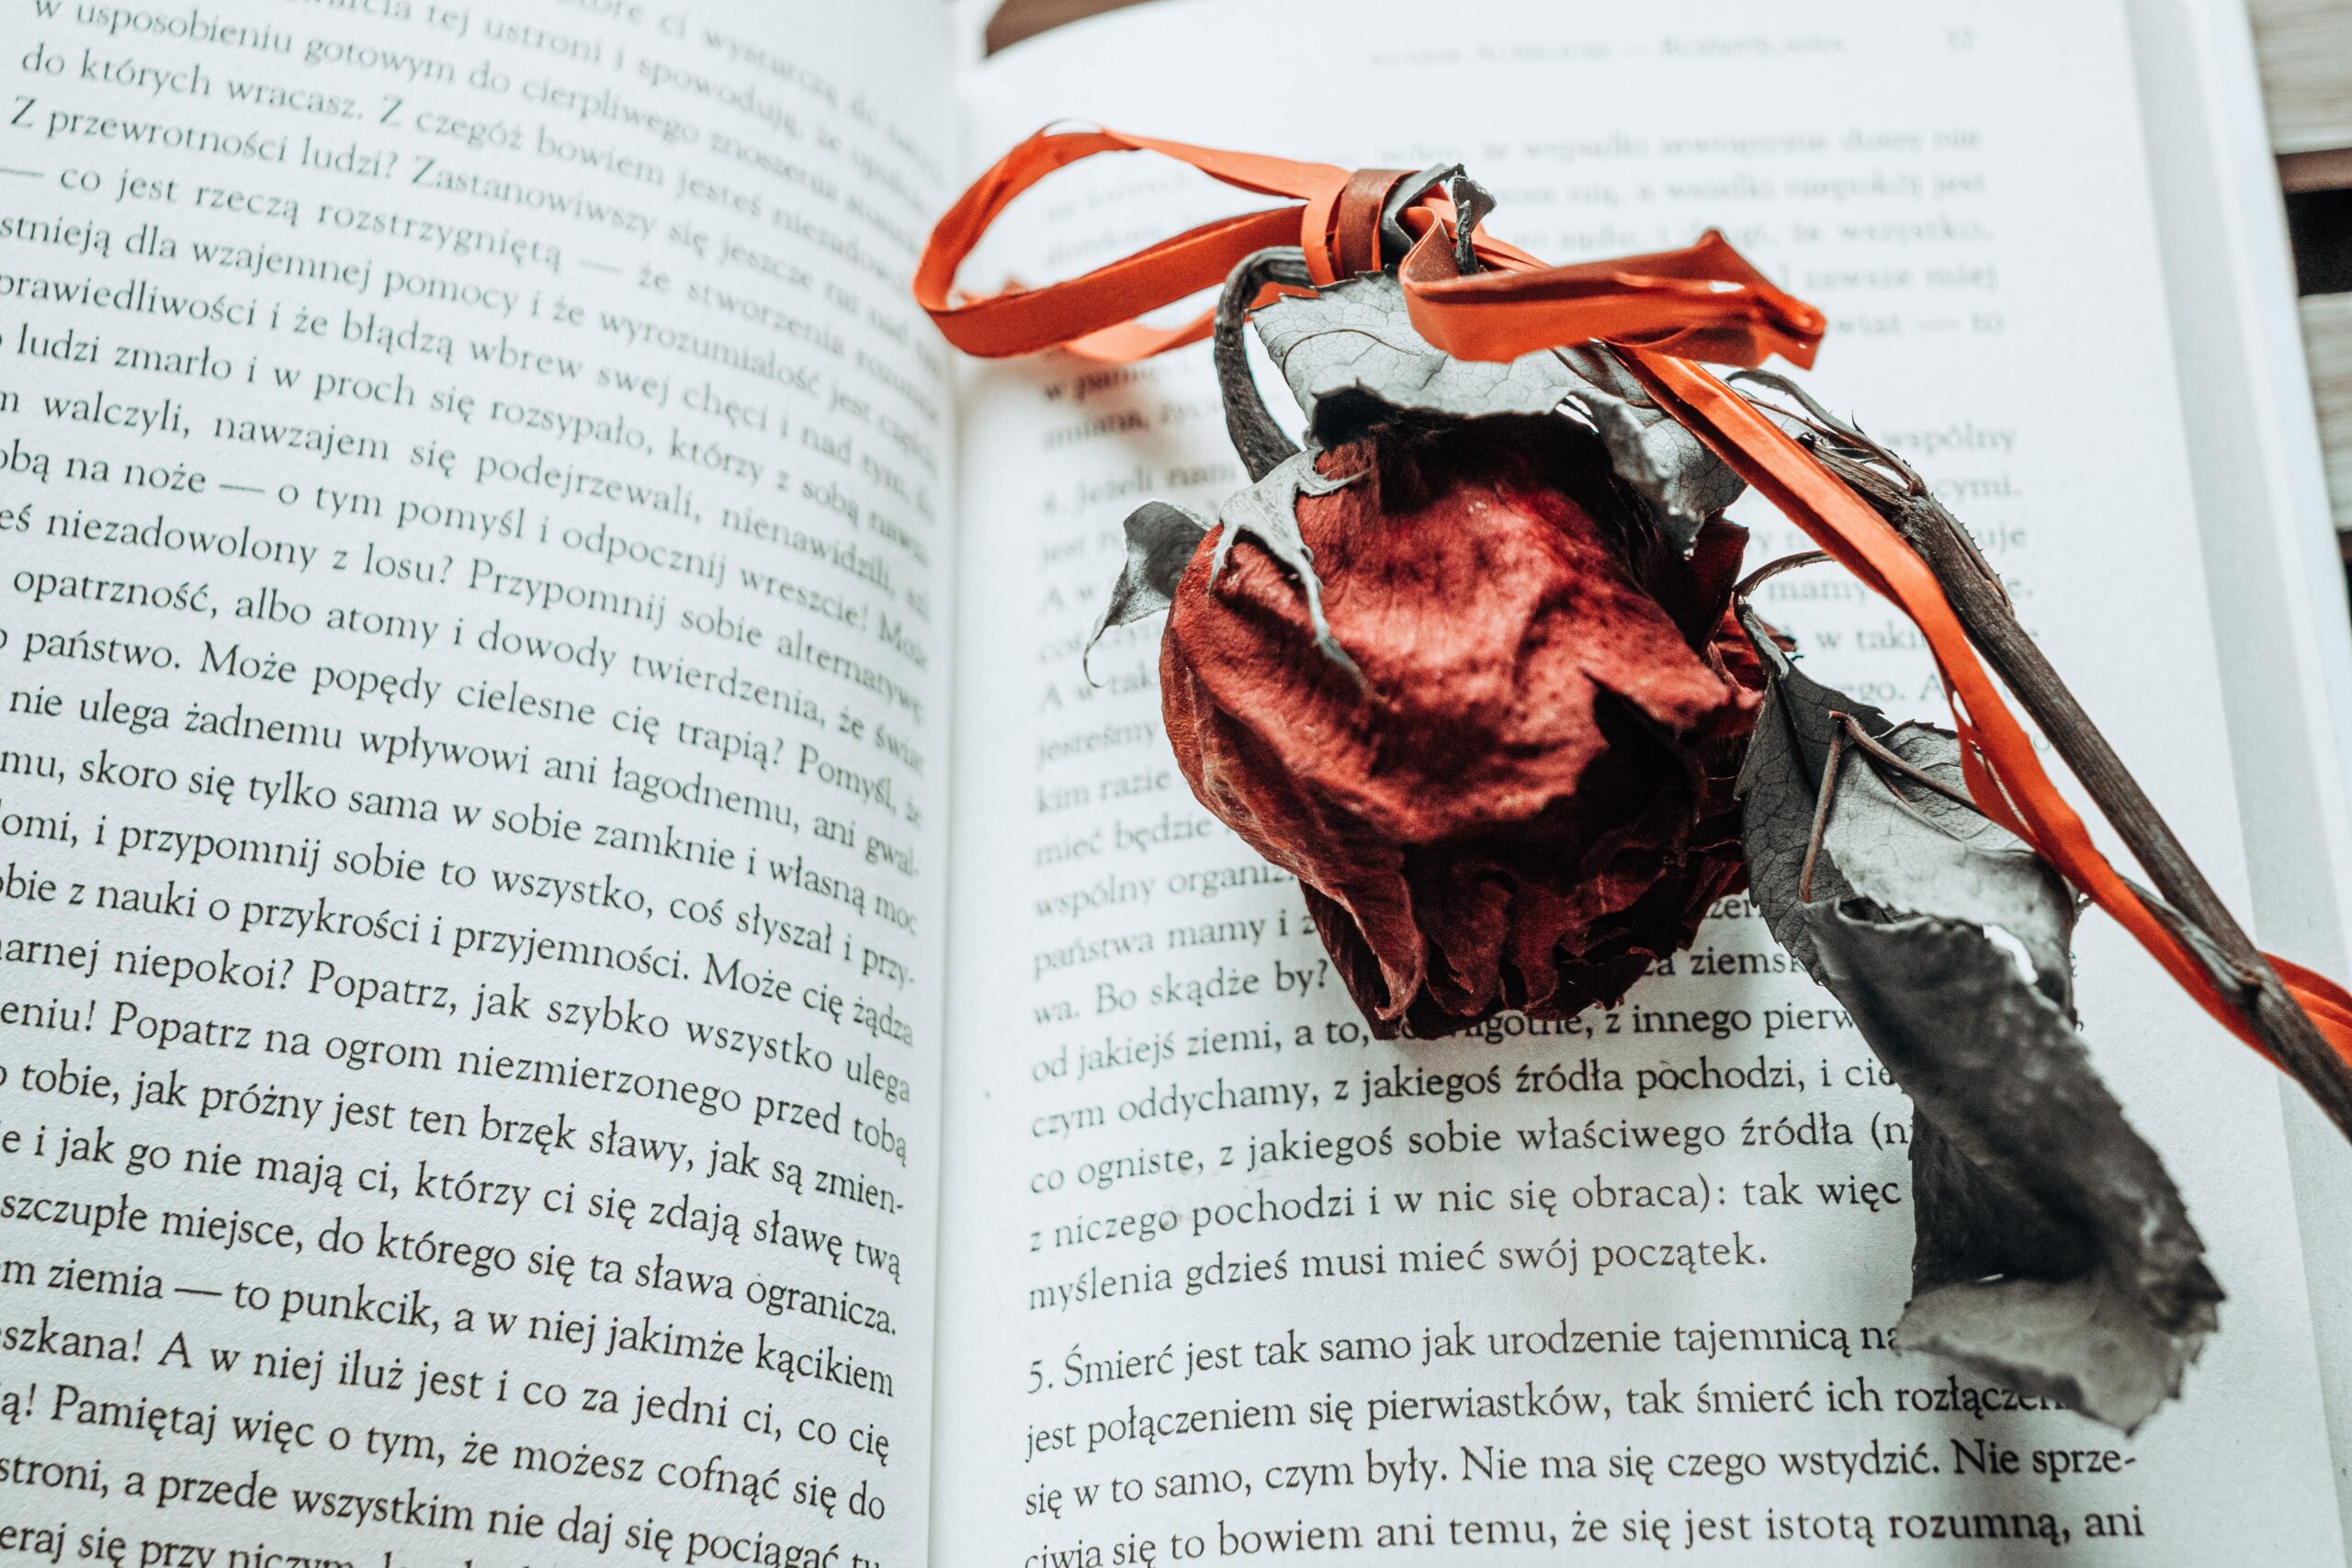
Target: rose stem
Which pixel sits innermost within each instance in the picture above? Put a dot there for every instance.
(1259, 442)
(1984, 611)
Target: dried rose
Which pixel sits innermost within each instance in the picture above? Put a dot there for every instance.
(1514, 788)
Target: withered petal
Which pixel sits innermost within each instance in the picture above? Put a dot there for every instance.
(1531, 806)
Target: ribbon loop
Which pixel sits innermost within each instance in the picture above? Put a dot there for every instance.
(1706, 301)
(1097, 313)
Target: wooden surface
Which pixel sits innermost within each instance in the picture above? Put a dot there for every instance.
(2327, 338)
(2306, 51)
(1018, 19)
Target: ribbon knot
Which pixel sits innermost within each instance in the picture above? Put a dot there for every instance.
(1341, 234)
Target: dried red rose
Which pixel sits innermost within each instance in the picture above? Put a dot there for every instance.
(1527, 798)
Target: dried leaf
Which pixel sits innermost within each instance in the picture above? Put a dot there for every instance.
(1160, 541)
(1683, 483)
(2059, 1262)
(1968, 868)
(2052, 1252)
(1780, 780)
(1267, 512)
(1354, 344)
(1353, 358)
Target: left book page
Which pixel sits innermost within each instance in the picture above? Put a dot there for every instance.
(474, 525)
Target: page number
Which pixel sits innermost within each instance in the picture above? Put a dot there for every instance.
(1959, 40)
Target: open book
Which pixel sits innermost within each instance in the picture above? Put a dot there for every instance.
(584, 979)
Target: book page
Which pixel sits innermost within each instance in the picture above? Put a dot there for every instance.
(1231, 1281)
(475, 508)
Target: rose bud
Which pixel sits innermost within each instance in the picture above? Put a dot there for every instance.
(1463, 670)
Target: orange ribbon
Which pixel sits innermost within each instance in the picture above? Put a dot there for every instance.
(1660, 312)
(1704, 301)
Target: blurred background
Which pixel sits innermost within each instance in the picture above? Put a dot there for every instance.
(2306, 49)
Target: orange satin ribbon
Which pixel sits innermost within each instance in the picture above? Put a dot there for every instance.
(1660, 312)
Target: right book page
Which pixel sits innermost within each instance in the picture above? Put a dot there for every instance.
(1223, 1278)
